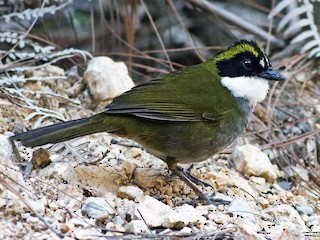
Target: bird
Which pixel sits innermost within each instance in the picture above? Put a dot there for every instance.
(186, 116)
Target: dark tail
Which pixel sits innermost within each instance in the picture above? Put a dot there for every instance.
(60, 132)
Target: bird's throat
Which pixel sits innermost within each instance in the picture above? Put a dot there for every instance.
(253, 89)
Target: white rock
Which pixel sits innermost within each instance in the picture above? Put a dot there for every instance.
(185, 230)
(118, 221)
(148, 177)
(206, 209)
(101, 179)
(263, 202)
(13, 205)
(54, 71)
(97, 208)
(153, 211)
(314, 221)
(64, 170)
(306, 210)
(301, 76)
(5, 146)
(73, 223)
(294, 171)
(240, 207)
(36, 223)
(243, 185)
(3, 202)
(219, 218)
(286, 231)
(223, 197)
(50, 70)
(253, 162)
(10, 170)
(87, 233)
(53, 206)
(248, 231)
(258, 180)
(107, 79)
(111, 199)
(286, 213)
(39, 205)
(137, 226)
(157, 214)
(182, 216)
(131, 192)
(73, 204)
(126, 208)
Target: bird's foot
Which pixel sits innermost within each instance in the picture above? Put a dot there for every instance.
(202, 196)
(192, 178)
(212, 200)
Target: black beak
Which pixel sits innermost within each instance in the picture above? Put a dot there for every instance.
(271, 74)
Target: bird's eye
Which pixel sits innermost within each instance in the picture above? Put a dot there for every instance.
(247, 63)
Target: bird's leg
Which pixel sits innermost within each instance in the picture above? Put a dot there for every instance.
(172, 164)
(183, 177)
(192, 178)
(210, 200)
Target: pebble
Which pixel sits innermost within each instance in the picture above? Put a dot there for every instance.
(286, 231)
(10, 170)
(263, 202)
(64, 228)
(107, 79)
(63, 170)
(148, 177)
(294, 171)
(313, 222)
(206, 209)
(97, 208)
(137, 226)
(286, 213)
(306, 210)
(86, 233)
(117, 220)
(101, 179)
(153, 211)
(5, 146)
(248, 231)
(240, 207)
(253, 162)
(220, 218)
(53, 206)
(36, 223)
(187, 214)
(157, 214)
(74, 223)
(221, 208)
(41, 157)
(131, 192)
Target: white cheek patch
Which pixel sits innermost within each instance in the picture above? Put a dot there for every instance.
(262, 63)
(254, 89)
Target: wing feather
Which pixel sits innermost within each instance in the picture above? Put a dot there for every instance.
(160, 100)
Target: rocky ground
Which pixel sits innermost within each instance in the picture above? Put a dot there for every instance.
(101, 186)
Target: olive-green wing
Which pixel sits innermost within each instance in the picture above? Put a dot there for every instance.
(168, 99)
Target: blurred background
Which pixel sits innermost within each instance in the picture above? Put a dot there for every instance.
(148, 35)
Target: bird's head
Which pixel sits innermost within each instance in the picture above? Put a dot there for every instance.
(245, 70)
